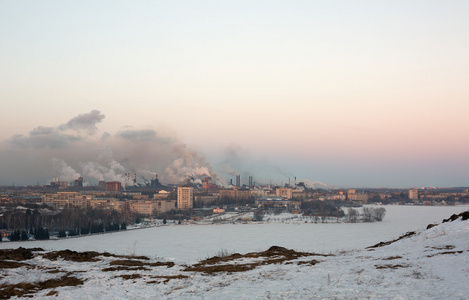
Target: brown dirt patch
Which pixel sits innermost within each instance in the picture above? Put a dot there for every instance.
(18, 254)
(130, 276)
(447, 247)
(22, 289)
(274, 255)
(166, 278)
(137, 263)
(446, 252)
(122, 268)
(391, 266)
(308, 263)
(464, 216)
(392, 257)
(381, 244)
(52, 293)
(55, 271)
(11, 264)
(87, 256)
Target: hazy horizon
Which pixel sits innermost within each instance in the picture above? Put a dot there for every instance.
(343, 93)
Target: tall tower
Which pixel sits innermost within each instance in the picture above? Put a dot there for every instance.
(185, 197)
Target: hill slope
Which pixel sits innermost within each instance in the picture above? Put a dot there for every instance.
(432, 264)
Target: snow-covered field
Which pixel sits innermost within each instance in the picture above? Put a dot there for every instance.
(190, 243)
(433, 264)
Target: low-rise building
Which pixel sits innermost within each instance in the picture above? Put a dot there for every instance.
(238, 194)
(284, 193)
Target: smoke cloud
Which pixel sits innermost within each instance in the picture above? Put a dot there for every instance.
(313, 184)
(75, 149)
(66, 172)
(44, 138)
(86, 122)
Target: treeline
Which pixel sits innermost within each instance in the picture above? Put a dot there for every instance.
(225, 201)
(33, 219)
(369, 214)
(39, 233)
(322, 208)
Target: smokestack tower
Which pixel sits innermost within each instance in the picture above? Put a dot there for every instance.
(250, 181)
(238, 180)
(135, 178)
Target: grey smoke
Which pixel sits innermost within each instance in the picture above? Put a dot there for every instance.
(148, 152)
(66, 172)
(86, 122)
(142, 135)
(43, 137)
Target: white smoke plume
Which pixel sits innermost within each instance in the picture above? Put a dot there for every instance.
(108, 156)
(66, 172)
(313, 184)
(113, 171)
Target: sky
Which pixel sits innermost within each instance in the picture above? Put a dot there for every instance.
(341, 93)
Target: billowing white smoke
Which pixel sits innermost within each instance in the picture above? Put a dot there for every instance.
(220, 181)
(66, 172)
(114, 171)
(180, 171)
(147, 174)
(188, 166)
(313, 184)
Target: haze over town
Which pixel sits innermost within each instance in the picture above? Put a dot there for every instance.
(349, 94)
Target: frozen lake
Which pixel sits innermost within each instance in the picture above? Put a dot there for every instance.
(189, 243)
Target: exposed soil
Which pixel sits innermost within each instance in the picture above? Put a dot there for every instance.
(391, 266)
(73, 255)
(167, 278)
(23, 289)
(11, 264)
(274, 255)
(136, 263)
(87, 256)
(446, 252)
(130, 276)
(18, 254)
(122, 268)
(392, 257)
(447, 247)
(382, 244)
(307, 263)
(464, 216)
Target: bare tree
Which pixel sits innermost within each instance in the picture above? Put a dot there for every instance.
(378, 213)
(368, 213)
(352, 215)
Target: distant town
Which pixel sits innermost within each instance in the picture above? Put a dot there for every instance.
(63, 208)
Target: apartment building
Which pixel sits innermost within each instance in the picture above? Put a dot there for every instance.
(185, 197)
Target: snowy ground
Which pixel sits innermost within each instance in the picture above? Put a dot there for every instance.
(190, 243)
(433, 264)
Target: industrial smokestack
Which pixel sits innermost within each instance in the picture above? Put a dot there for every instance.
(238, 180)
